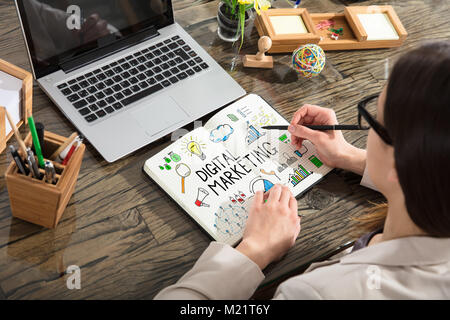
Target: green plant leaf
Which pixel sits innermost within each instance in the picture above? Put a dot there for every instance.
(242, 21)
(233, 7)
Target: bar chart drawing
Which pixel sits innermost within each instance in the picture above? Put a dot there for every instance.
(252, 134)
(299, 175)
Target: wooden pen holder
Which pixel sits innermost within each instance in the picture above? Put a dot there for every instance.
(35, 200)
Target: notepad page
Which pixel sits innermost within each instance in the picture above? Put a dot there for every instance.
(378, 26)
(214, 171)
(10, 97)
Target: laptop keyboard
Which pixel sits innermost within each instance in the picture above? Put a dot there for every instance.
(122, 82)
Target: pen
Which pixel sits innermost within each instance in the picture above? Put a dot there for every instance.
(40, 133)
(69, 154)
(319, 127)
(20, 164)
(49, 172)
(32, 164)
(297, 3)
(36, 143)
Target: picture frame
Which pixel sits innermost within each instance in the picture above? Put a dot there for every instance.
(26, 102)
(272, 24)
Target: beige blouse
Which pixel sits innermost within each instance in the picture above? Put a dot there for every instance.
(404, 268)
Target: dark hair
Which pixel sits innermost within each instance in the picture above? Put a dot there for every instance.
(417, 117)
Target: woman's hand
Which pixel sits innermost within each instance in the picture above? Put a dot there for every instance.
(272, 226)
(331, 146)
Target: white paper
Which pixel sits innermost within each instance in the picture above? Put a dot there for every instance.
(288, 24)
(378, 26)
(10, 97)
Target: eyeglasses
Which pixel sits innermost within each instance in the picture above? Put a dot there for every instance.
(367, 114)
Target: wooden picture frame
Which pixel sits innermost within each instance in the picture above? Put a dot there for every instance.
(26, 103)
(351, 13)
(265, 26)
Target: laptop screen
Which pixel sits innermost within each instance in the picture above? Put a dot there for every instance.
(58, 30)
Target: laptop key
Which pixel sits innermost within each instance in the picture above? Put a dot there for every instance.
(197, 69)
(151, 81)
(110, 100)
(109, 82)
(83, 93)
(141, 67)
(175, 38)
(92, 89)
(190, 72)
(66, 91)
(117, 88)
(157, 69)
(171, 55)
(149, 64)
(164, 49)
(118, 69)
(101, 113)
(141, 76)
(164, 66)
(100, 86)
(173, 45)
(109, 109)
(84, 111)
(73, 98)
(182, 75)
(204, 65)
(149, 73)
(193, 54)
(75, 87)
(91, 117)
(166, 83)
(159, 44)
(198, 59)
(157, 61)
(149, 55)
(127, 92)
(175, 70)
(164, 57)
(101, 103)
(97, 71)
(84, 84)
(135, 88)
(134, 71)
(119, 96)
(101, 76)
(117, 78)
(157, 52)
(73, 81)
(134, 62)
(159, 77)
(133, 80)
(181, 42)
(108, 91)
(167, 41)
(62, 86)
(99, 95)
(186, 48)
(80, 78)
(142, 94)
(183, 66)
(93, 107)
(126, 66)
(125, 84)
(80, 104)
(117, 105)
(143, 84)
(141, 59)
(93, 80)
(91, 99)
(191, 63)
(110, 73)
(173, 79)
(179, 52)
(178, 60)
(172, 63)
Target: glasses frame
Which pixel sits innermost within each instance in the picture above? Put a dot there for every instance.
(373, 123)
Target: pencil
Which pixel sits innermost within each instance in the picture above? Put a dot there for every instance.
(63, 146)
(16, 133)
(319, 127)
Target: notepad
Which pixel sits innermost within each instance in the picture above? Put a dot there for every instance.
(288, 24)
(10, 97)
(378, 26)
(214, 171)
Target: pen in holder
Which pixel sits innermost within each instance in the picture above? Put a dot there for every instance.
(35, 199)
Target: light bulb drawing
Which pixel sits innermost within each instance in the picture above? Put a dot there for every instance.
(194, 147)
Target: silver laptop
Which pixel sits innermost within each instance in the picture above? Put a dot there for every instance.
(122, 71)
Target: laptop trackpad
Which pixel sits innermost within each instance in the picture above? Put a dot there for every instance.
(158, 115)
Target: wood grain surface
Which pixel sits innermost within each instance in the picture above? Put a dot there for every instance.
(129, 239)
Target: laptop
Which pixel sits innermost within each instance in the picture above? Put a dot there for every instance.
(122, 71)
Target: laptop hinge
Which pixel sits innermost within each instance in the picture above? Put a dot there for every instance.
(105, 49)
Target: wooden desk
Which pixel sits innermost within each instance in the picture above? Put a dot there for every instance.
(129, 239)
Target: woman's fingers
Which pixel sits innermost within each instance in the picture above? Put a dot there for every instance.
(274, 194)
(285, 196)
